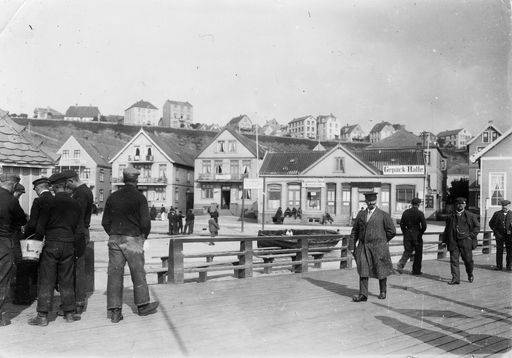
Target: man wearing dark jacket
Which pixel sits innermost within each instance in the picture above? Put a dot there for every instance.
(11, 218)
(372, 230)
(460, 235)
(501, 225)
(413, 226)
(62, 228)
(189, 222)
(127, 222)
(83, 195)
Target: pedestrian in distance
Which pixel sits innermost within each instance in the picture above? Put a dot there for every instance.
(501, 225)
(126, 220)
(460, 236)
(172, 218)
(179, 220)
(62, 227)
(413, 225)
(189, 222)
(12, 217)
(327, 218)
(372, 230)
(214, 228)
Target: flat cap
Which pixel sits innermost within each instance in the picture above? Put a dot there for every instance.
(460, 200)
(130, 173)
(40, 181)
(57, 178)
(415, 201)
(19, 188)
(11, 178)
(504, 202)
(370, 195)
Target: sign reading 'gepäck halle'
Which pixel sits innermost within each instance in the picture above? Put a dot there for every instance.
(403, 169)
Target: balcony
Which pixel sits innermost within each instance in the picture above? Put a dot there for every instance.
(144, 180)
(220, 177)
(141, 159)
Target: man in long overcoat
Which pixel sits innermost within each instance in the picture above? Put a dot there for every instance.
(501, 225)
(413, 226)
(460, 236)
(372, 230)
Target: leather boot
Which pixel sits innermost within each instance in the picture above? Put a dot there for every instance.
(116, 315)
(40, 320)
(148, 308)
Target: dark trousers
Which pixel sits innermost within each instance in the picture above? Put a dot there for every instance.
(81, 277)
(25, 289)
(6, 268)
(500, 242)
(412, 243)
(57, 262)
(189, 227)
(171, 228)
(363, 285)
(463, 250)
(123, 249)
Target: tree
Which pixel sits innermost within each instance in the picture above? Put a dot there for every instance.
(458, 188)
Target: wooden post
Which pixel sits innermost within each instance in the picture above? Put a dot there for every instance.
(175, 269)
(245, 258)
(344, 253)
(441, 248)
(487, 243)
(302, 255)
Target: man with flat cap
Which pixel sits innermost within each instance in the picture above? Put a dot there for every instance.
(127, 222)
(83, 194)
(460, 235)
(372, 230)
(501, 225)
(413, 226)
(26, 275)
(61, 228)
(12, 217)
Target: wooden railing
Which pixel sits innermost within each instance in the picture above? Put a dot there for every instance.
(248, 256)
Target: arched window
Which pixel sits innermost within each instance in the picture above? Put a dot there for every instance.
(137, 152)
(149, 150)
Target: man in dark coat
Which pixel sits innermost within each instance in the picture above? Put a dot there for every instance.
(26, 274)
(459, 235)
(501, 225)
(127, 222)
(172, 220)
(11, 218)
(83, 195)
(62, 227)
(372, 230)
(189, 222)
(413, 226)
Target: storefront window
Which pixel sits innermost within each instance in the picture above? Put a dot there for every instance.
(274, 196)
(404, 195)
(294, 196)
(206, 191)
(331, 198)
(314, 199)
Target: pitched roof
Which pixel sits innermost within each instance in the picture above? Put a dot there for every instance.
(381, 157)
(450, 132)
(99, 153)
(177, 153)
(289, 163)
(83, 112)
(246, 142)
(299, 119)
(236, 120)
(348, 129)
(379, 126)
(488, 125)
(178, 102)
(477, 155)
(50, 110)
(141, 104)
(400, 139)
(16, 149)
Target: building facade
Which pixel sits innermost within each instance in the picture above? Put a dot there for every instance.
(457, 138)
(478, 143)
(167, 173)
(380, 131)
(141, 113)
(241, 124)
(351, 133)
(177, 114)
(82, 114)
(47, 113)
(219, 171)
(92, 167)
(303, 127)
(328, 127)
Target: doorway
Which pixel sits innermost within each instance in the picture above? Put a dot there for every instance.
(225, 197)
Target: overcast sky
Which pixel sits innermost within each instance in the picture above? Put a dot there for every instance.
(430, 65)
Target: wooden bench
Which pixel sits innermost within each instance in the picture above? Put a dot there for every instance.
(275, 254)
(159, 271)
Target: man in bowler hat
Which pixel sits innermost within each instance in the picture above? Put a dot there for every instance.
(372, 230)
(127, 222)
(501, 225)
(460, 236)
(413, 226)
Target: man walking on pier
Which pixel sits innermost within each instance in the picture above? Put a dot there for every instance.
(413, 226)
(501, 225)
(460, 236)
(372, 230)
(127, 222)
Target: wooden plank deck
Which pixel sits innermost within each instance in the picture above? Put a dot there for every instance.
(296, 315)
